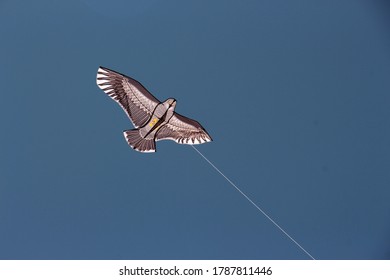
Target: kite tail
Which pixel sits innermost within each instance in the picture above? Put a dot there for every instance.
(139, 143)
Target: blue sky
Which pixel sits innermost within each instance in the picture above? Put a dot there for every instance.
(294, 93)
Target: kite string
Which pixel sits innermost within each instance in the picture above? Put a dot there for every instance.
(254, 204)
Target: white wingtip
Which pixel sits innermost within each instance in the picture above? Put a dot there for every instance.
(102, 70)
(102, 79)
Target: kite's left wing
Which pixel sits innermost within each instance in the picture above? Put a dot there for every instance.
(133, 97)
(183, 130)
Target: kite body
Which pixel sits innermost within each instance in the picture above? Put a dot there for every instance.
(153, 120)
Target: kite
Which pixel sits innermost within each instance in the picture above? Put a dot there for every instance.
(153, 120)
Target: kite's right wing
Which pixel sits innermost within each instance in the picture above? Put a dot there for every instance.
(183, 130)
(134, 98)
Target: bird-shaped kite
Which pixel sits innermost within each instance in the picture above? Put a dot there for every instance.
(153, 120)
